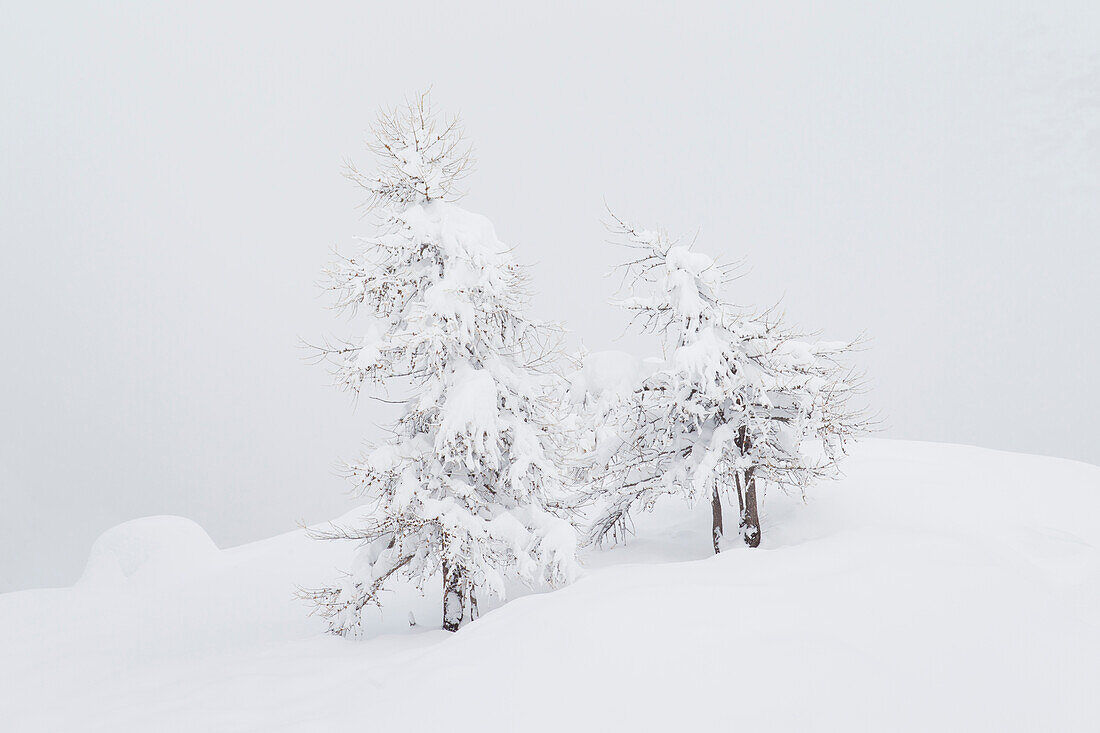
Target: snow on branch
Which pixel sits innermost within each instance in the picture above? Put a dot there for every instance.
(420, 156)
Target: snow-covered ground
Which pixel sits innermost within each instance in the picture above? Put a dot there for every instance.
(937, 587)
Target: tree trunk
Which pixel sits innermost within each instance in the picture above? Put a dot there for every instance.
(716, 519)
(454, 596)
(750, 514)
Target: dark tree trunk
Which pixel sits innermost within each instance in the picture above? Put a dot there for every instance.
(750, 511)
(454, 596)
(716, 519)
(750, 514)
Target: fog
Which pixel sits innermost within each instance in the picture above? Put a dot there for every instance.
(926, 174)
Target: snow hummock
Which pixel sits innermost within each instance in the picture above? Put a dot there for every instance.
(148, 549)
(935, 587)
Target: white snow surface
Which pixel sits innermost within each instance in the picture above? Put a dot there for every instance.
(936, 587)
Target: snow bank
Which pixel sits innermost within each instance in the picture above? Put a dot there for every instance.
(148, 549)
(936, 587)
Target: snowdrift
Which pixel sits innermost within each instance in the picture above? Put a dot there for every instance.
(936, 587)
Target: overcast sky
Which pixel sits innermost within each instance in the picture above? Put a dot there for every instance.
(925, 173)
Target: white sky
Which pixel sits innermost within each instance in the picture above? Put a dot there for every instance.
(170, 187)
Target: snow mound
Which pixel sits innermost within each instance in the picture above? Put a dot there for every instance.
(148, 549)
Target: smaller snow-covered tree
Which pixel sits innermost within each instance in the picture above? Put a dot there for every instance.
(469, 486)
(736, 402)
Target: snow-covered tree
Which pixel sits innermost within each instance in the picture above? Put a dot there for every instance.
(469, 485)
(735, 403)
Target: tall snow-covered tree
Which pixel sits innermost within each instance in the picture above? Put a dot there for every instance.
(468, 488)
(736, 401)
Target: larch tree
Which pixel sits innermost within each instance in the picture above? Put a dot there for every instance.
(736, 401)
(468, 489)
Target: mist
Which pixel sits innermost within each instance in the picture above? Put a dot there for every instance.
(171, 188)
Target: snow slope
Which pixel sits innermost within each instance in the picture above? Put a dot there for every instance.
(936, 587)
